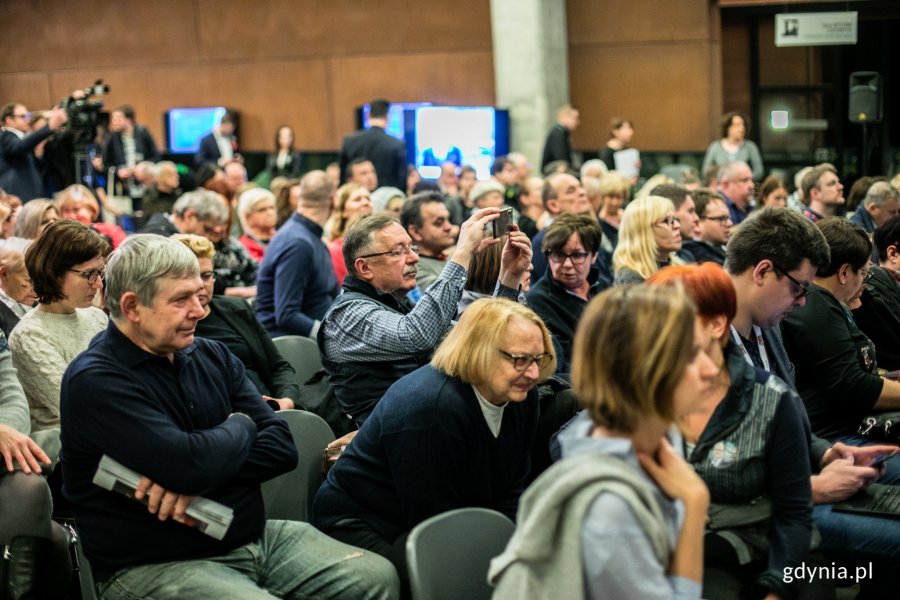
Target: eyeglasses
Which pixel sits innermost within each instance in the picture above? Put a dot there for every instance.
(671, 221)
(801, 285)
(521, 362)
(207, 275)
(866, 273)
(396, 253)
(558, 257)
(26, 116)
(722, 220)
(90, 276)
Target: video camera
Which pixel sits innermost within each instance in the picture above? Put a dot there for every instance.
(83, 112)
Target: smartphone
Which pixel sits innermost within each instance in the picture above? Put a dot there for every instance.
(501, 225)
(880, 459)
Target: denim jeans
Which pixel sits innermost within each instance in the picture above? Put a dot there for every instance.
(290, 560)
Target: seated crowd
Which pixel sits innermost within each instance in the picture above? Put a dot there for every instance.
(734, 358)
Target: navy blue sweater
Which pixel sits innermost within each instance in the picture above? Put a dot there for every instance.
(296, 283)
(172, 423)
(426, 449)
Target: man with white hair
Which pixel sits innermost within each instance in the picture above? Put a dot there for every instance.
(16, 294)
(180, 412)
(878, 207)
(736, 186)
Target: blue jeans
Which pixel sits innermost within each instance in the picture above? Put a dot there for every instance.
(290, 560)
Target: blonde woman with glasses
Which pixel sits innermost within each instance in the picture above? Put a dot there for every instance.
(649, 237)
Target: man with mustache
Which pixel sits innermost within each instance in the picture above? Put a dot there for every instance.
(371, 336)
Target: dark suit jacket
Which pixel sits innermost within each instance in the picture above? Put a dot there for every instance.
(557, 147)
(387, 153)
(291, 167)
(160, 224)
(8, 319)
(18, 166)
(275, 372)
(114, 153)
(208, 151)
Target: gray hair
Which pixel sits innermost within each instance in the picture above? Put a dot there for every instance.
(729, 171)
(248, 201)
(594, 164)
(879, 192)
(359, 238)
(139, 263)
(205, 204)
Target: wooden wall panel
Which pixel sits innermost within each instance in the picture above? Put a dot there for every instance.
(31, 89)
(288, 28)
(788, 65)
(464, 78)
(613, 21)
(735, 66)
(59, 34)
(665, 89)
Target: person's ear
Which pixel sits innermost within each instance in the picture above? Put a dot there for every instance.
(844, 273)
(414, 233)
(718, 326)
(762, 268)
(128, 305)
(363, 271)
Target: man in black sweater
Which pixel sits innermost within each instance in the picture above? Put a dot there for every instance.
(559, 141)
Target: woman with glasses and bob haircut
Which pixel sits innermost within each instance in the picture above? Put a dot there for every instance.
(837, 374)
(456, 433)
(622, 515)
(66, 265)
(572, 279)
(649, 237)
(231, 321)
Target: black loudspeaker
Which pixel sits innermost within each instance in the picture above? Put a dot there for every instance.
(866, 99)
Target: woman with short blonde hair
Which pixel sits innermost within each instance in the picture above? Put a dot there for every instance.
(649, 237)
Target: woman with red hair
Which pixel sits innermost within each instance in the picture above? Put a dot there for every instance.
(750, 448)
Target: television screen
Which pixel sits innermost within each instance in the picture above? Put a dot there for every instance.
(465, 135)
(186, 126)
(395, 123)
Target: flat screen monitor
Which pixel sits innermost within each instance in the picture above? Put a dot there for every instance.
(395, 124)
(186, 126)
(465, 135)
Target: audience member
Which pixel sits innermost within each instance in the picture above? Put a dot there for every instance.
(453, 434)
(523, 165)
(387, 199)
(37, 549)
(66, 266)
(736, 186)
(232, 322)
(467, 180)
(362, 172)
(352, 202)
(164, 191)
(13, 205)
(879, 205)
(220, 145)
(594, 167)
(17, 295)
(296, 282)
(571, 245)
(685, 211)
(629, 510)
(562, 193)
(78, 203)
(371, 336)
(531, 206)
(487, 194)
(127, 397)
(34, 216)
(427, 221)
(715, 227)
(822, 192)
(287, 192)
(748, 444)
(386, 153)
(284, 161)
(878, 315)
(858, 191)
(558, 146)
(256, 210)
(614, 190)
(19, 174)
(734, 146)
(773, 192)
(649, 237)
(766, 293)
(504, 171)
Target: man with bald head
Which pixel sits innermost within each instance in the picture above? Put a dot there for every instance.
(736, 186)
(562, 193)
(296, 283)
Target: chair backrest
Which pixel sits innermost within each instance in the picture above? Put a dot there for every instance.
(302, 353)
(449, 554)
(289, 496)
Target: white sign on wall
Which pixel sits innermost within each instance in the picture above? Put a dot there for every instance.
(815, 29)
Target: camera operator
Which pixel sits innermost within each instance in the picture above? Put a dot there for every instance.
(19, 173)
(128, 145)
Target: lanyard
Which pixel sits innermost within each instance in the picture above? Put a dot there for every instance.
(763, 356)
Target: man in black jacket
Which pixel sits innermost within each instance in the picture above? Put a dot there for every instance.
(18, 166)
(387, 153)
(559, 141)
(129, 143)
